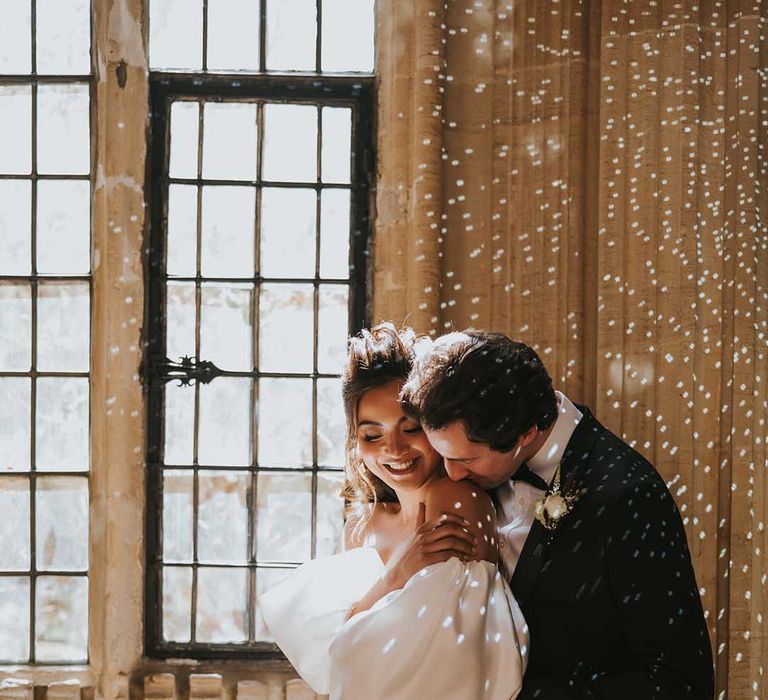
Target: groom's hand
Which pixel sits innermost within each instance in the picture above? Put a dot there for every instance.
(432, 542)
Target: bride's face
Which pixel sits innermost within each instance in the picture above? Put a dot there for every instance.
(390, 444)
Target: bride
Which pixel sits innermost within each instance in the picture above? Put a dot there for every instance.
(414, 607)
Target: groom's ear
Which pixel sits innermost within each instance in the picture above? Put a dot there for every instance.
(528, 437)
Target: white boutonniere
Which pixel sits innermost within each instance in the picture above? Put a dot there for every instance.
(554, 505)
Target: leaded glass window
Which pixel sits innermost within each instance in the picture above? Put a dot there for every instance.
(257, 263)
(45, 300)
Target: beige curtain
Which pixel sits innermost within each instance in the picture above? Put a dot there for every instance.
(590, 177)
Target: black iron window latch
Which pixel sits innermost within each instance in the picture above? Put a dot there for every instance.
(187, 371)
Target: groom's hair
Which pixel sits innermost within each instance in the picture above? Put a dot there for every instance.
(497, 386)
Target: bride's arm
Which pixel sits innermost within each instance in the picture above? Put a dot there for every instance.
(444, 536)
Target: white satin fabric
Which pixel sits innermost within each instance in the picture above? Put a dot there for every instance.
(454, 632)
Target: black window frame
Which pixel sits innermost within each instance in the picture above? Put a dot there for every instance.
(357, 91)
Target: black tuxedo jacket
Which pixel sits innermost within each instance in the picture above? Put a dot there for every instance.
(610, 597)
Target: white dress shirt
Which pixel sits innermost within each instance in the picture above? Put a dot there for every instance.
(517, 499)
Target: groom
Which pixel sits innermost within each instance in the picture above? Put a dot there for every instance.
(589, 532)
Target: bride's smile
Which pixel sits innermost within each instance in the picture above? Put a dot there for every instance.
(401, 467)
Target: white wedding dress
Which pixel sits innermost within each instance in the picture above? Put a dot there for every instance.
(454, 632)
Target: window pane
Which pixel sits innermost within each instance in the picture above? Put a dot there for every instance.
(180, 310)
(291, 34)
(284, 516)
(15, 417)
(185, 122)
(15, 224)
(222, 526)
(233, 35)
(62, 423)
(176, 34)
(182, 230)
(337, 144)
(61, 618)
(330, 513)
(15, 327)
(63, 227)
(16, 43)
(225, 422)
(14, 618)
(226, 329)
(333, 321)
(334, 234)
(290, 143)
(179, 423)
(63, 36)
(221, 605)
(286, 327)
(63, 326)
(14, 530)
(285, 422)
(61, 507)
(348, 32)
(177, 516)
(331, 424)
(229, 141)
(288, 219)
(62, 129)
(15, 129)
(177, 594)
(228, 231)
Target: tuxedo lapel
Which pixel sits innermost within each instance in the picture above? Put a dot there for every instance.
(579, 447)
(575, 457)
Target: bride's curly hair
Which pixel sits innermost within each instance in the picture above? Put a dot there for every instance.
(374, 357)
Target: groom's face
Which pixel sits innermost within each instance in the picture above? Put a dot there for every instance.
(474, 461)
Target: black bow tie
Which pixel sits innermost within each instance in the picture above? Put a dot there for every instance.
(526, 474)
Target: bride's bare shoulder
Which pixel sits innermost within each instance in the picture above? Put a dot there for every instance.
(471, 502)
(458, 494)
(364, 520)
